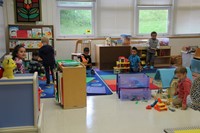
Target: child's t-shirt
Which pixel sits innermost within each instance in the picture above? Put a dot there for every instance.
(35, 66)
(134, 61)
(87, 57)
(20, 65)
(153, 44)
(184, 87)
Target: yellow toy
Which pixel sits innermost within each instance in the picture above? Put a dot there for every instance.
(8, 65)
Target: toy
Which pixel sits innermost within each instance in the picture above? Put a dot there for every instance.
(157, 105)
(8, 65)
(1, 72)
(123, 65)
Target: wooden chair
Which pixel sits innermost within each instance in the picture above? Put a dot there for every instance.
(80, 45)
(197, 54)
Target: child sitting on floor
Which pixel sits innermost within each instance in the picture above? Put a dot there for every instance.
(183, 90)
(18, 55)
(85, 58)
(35, 65)
(134, 59)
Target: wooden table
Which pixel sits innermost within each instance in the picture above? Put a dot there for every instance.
(106, 56)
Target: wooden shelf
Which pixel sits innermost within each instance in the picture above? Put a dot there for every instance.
(27, 48)
(162, 65)
(27, 38)
(120, 68)
(163, 56)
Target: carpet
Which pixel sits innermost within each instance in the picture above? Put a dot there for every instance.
(47, 91)
(96, 86)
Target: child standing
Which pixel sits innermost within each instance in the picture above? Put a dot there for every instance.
(19, 54)
(153, 45)
(46, 52)
(134, 59)
(35, 66)
(183, 90)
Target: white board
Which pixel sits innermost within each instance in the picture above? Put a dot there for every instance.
(2, 33)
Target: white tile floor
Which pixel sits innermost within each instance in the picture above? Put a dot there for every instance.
(107, 114)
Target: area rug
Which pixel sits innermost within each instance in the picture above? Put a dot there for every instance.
(47, 91)
(96, 86)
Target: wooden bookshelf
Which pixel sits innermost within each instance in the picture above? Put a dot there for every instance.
(162, 58)
(29, 36)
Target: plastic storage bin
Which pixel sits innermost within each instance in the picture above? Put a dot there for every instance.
(133, 81)
(135, 94)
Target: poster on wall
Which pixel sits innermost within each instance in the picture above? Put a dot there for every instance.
(28, 10)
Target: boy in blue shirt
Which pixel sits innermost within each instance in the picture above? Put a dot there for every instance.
(134, 60)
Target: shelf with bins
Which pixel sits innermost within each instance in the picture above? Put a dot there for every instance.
(162, 57)
(29, 36)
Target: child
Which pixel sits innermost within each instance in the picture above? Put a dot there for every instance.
(153, 45)
(35, 66)
(183, 90)
(46, 52)
(85, 58)
(19, 54)
(194, 96)
(134, 60)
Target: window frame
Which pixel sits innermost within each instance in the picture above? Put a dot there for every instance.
(92, 8)
(169, 8)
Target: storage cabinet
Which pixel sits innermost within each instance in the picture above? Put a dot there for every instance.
(71, 86)
(106, 56)
(162, 58)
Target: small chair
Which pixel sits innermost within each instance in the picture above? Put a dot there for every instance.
(82, 44)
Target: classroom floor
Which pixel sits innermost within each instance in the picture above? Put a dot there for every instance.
(107, 114)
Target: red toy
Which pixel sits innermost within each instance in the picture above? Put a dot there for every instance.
(1, 72)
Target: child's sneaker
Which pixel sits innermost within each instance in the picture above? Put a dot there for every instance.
(145, 66)
(151, 67)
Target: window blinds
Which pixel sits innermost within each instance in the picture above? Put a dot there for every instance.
(154, 2)
(114, 17)
(187, 17)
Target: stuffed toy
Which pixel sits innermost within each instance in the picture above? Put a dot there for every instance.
(8, 65)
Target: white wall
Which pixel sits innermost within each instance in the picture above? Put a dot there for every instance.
(65, 48)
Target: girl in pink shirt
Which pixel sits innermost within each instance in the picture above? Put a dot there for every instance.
(19, 54)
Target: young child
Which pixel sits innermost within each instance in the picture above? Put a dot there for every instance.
(19, 54)
(183, 90)
(153, 45)
(85, 58)
(134, 59)
(35, 66)
(46, 52)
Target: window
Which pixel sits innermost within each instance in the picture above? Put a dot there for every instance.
(153, 16)
(75, 18)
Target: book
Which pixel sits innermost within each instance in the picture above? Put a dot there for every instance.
(22, 34)
(13, 31)
(29, 33)
(47, 32)
(13, 43)
(36, 33)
